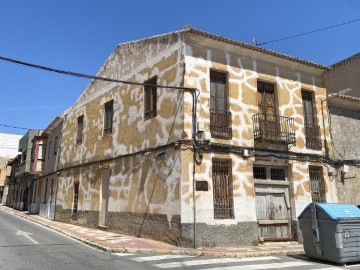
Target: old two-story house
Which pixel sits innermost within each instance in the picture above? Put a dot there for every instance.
(3, 175)
(13, 182)
(23, 180)
(8, 149)
(214, 142)
(45, 156)
(344, 123)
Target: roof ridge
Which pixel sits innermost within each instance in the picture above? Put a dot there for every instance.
(349, 59)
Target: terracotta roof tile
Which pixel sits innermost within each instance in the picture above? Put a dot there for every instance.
(255, 48)
(346, 61)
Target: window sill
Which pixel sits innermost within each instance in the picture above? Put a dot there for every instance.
(107, 134)
(147, 117)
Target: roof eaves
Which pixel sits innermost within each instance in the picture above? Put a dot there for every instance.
(255, 48)
(346, 61)
(356, 99)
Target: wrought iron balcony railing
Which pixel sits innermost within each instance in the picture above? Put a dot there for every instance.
(274, 128)
(312, 136)
(220, 124)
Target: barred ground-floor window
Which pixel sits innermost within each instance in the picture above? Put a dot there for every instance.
(222, 188)
(317, 184)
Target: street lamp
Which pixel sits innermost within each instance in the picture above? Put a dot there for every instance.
(322, 112)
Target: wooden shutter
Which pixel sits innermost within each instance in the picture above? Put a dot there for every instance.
(80, 127)
(266, 98)
(218, 92)
(307, 107)
(150, 98)
(108, 117)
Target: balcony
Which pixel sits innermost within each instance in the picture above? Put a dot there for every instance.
(220, 124)
(7, 180)
(312, 136)
(274, 128)
(20, 169)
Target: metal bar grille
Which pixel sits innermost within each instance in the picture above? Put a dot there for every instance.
(317, 184)
(274, 128)
(223, 189)
(76, 197)
(259, 173)
(312, 136)
(220, 124)
(277, 174)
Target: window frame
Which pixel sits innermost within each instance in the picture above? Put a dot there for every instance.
(267, 169)
(56, 142)
(313, 107)
(219, 212)
(49, 148)
(275, 101)
(79, 132)
(108, 117)
(321, 198)
(152, 91)
(217, 74)
(75, 197)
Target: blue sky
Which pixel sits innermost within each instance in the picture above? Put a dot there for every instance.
(79, 35)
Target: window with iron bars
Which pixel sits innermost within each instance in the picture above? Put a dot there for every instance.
(222, 188)
(76, 197)
(269, 173)
(317, 184)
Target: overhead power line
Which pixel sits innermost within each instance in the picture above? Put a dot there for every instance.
(81, 75)
(307, 33)
(86, 76)
(3, 125)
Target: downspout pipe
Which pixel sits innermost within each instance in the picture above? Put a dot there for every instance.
(195, 97)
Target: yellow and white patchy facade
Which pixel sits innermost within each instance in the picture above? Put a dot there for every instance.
(140, 178)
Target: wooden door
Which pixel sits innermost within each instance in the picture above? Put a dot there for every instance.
(272, 203)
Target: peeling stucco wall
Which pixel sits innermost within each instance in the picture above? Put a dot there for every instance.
(244, 69)
(143, 187)
(138, 183)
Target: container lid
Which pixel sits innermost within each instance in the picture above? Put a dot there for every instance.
(336, 211)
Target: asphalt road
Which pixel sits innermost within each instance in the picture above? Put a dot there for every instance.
(27, 245)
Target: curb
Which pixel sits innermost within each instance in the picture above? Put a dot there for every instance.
(196, 253)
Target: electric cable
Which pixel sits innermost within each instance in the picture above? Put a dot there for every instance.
(3, 125)
(86, 76)
(307, 33)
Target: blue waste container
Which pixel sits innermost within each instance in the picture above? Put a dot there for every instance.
(331, 232)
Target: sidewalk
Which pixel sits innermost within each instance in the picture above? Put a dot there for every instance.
(120, 243)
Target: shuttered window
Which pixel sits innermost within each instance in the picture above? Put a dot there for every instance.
(218, 92)
(317, 184)
(308, 107)
(108, 117)
(80, 127)
(150, 98)
(220, 115)
(266, 98)
(222, 188)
